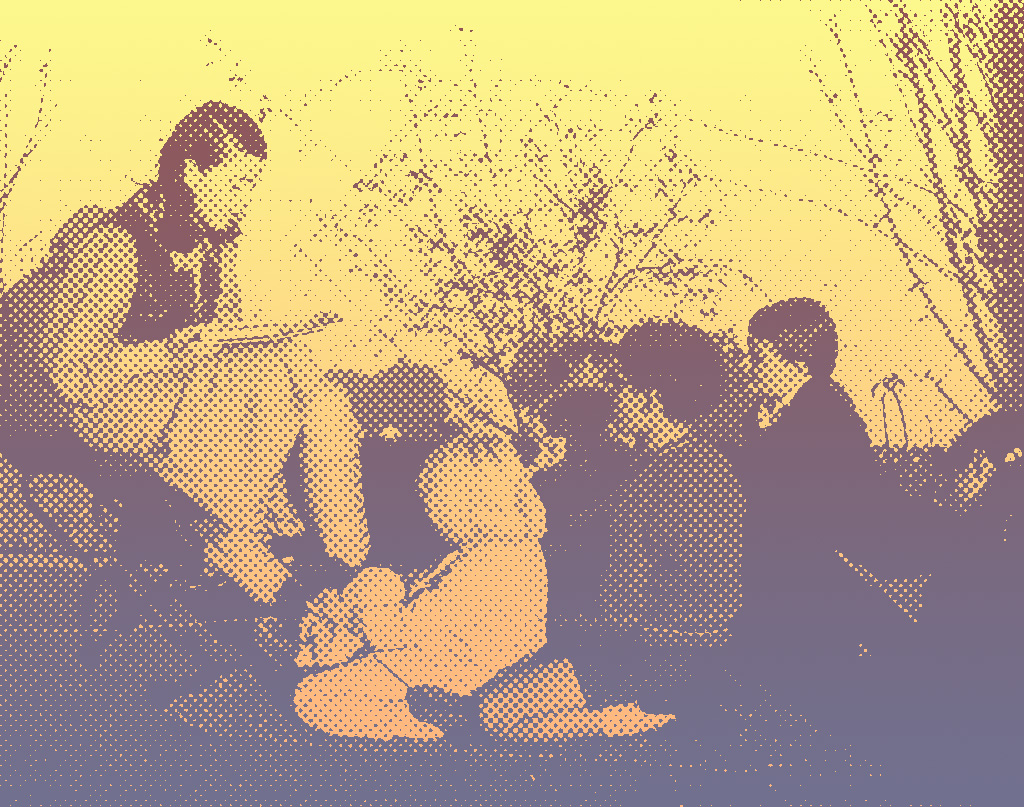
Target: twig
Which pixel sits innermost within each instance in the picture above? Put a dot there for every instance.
(951, 227)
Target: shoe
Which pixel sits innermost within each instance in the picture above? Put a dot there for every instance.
(547, 703)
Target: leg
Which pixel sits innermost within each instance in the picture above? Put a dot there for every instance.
(360, 699)
(479, 612)
(546, 702)
(487, 609)
(331, 472)
(227, 444)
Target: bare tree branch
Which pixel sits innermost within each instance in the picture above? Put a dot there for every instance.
(916, 70)
(38, 129)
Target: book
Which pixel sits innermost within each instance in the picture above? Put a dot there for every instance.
(258, 334)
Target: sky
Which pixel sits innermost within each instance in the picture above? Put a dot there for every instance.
(735, 74)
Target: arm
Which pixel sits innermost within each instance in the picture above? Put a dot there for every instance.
(98, 286)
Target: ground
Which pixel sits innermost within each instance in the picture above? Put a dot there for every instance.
(83, 732)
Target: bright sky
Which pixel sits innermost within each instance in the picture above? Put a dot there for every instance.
(124, 73)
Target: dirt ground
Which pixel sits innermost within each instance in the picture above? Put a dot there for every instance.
(164, 718)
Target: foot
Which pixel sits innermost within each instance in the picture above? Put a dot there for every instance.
(612, 721)
(360, 699)
(547, 703)
(328, 632)
(368, 613)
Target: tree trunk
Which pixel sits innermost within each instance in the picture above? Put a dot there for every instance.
(1002, 239)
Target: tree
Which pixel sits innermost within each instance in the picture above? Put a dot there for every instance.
(997, 47)
(513, 228)
(17, 154)
(946, 186)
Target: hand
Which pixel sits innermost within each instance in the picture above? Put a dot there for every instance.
(552, 452)
(353, 551)
(974, 477)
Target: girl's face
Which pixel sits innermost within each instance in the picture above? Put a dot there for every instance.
(223, 192)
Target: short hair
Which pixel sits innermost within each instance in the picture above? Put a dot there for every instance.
(204, 135)
(410, 397)
(802, 330)
(682, 362)
(579, 410)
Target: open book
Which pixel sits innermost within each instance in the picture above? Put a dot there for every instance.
(257, 333)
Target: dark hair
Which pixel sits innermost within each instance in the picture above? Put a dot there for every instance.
(802, 330)
(409, 397)
(204, 135)
(680, 361)
(579, 410)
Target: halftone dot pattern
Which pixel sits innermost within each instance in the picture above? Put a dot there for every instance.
(998, 50)
(40, 629)
(246, 559)
(480, 611)
(336, 626)
(547, 703)
(550, 688)
(406, 401)
(676, 554)
(128, 342)
(274, 640)
(906, 594)
(801, 330)
(147, 656)
(22, 529)
(360, 699)
(71, 507)
(101, 610)
(234, 705)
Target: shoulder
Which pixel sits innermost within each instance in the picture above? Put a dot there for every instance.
(823, 405)
(78, 237)
(96, 236)
(85, 226)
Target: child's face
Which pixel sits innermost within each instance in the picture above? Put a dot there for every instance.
(223, 192)
(640, 418)
(775, 377)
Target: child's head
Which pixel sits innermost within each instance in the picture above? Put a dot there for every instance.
(682, 363)
(801, 331)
